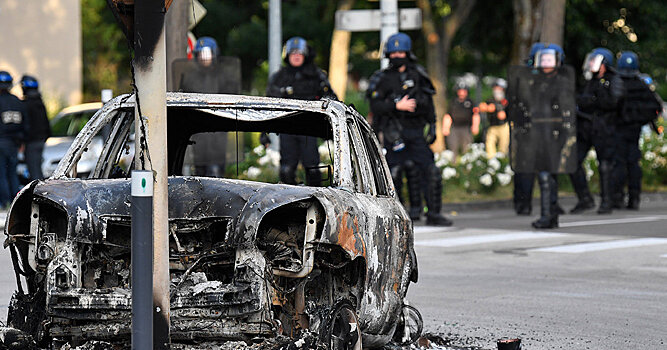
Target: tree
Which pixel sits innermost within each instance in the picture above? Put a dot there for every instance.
(339, 53)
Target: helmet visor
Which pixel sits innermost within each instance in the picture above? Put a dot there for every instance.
(546, 58)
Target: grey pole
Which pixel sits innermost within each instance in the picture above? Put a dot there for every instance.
(275, 36)
(150, 70)
(389, 24)
(142, 259)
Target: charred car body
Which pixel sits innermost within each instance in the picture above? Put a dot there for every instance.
(248, 260)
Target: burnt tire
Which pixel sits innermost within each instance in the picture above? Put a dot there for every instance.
(341, 331)
(409, 326)
(27, 313)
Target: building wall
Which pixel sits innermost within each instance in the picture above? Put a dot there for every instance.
(43, 38)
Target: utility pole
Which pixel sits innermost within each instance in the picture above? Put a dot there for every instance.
(151, 146)
(176, 28)
(389, 24)
(275, 36)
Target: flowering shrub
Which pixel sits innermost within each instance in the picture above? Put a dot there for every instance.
(474, 171)
(654, 158)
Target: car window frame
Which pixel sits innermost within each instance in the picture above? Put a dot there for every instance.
(357, 149)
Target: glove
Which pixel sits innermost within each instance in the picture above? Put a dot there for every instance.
(429, 135)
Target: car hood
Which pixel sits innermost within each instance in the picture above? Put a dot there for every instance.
(89, 204)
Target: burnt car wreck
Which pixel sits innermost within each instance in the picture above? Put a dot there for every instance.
(248, 260)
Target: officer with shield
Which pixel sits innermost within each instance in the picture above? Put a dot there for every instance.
(543, 126)
(402, 96)
(638, 106)
(208, 73)
(301, 79)
(598, 102)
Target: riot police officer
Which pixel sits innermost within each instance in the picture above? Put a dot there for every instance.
(541, 111)
(638, 106)
(13, 128)
(207, 74)
(301, 79)
(402, 96)
(461, 121)
(40, 129)
(598, 100)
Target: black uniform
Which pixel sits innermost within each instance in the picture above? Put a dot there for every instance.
(638, 106)
(40, 130)
(403, 133)
(13, 129)
(306, 82)
(599, 100)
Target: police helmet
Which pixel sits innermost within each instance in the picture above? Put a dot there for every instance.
(29, 82)
(5, 80)
(296, 44)
(206, 41)
(397, 42)
(608, 56)
(461, 86)
(595, 59)
(628, 61)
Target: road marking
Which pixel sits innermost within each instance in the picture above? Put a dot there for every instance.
(663, 256)
(433, 229)
(611, 221)
(598, 246)
(481, 239)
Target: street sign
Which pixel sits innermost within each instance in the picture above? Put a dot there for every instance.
(195, 13)
(371, 20)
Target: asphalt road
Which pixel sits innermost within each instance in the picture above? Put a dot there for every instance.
(597, 282)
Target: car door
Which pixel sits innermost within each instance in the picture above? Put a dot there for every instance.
(389, 233)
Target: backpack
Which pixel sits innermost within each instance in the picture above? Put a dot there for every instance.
(639, 104)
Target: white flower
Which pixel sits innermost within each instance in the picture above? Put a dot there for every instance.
(486, 180)
(448, 173)
(508, 170)
(466, 184)
(323, 149)
(259, 150)
(649, 156)
(591, 154)
(274, 156)
(253, 172)
(494, 163)
(504, 179)
(469, 166)
(447, 155)
(500, 155)
(663, 149)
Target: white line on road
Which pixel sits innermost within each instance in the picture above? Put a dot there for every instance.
(481, 239)
(598, 246)
(612, 221)
(433, 229)
(663, 256)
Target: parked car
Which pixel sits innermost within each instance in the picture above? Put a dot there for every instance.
(249, 260)
(64, 128)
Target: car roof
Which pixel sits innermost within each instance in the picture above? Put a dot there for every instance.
(84, 107)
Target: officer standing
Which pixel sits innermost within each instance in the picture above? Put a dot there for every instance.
(461, 122)
(599, 100)
(206, 74)
(638, 106)
(40, 129)
(301, 79)
(403, 97)
(13, 128)
(498, 133)
(541, 111)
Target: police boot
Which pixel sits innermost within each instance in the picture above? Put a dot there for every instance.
(548, 212)
(434, 199)
(414, 190)
(605, 188)
(633, 200)
(617, 200)
(585, 202)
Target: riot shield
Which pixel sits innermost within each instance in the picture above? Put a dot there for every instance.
(221, 77)
(210, 153)
(542, 115)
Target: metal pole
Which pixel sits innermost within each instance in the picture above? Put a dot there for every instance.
(142, 260)
(275, 36)
(151, 146)
(389, 24)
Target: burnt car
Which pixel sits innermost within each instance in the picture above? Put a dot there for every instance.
(249, 260)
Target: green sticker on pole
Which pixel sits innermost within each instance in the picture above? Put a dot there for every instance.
(142, 183)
